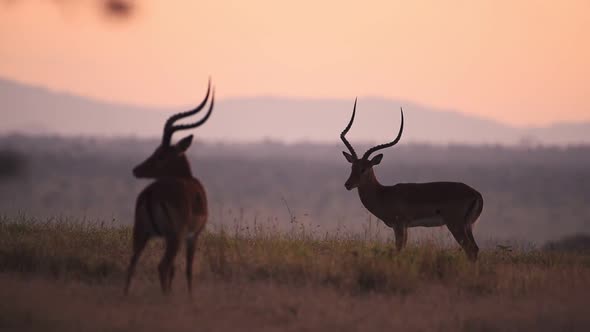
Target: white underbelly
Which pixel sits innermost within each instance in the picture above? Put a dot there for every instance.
(427, 222)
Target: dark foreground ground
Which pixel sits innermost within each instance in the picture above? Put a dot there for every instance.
(56, 276)
(37, 304)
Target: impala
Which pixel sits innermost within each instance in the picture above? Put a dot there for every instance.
(174, 206)
(404, 205)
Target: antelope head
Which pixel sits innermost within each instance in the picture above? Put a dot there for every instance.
(362, 169)
(169, 160)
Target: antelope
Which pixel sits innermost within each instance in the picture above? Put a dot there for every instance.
(174, 206)
(404, 205)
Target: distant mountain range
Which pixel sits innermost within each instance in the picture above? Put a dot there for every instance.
(36, 110)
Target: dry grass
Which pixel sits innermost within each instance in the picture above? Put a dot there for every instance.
(68, 276)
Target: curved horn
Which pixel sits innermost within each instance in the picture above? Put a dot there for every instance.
(350, 148)
(169, 127)
(386, 145)
(200, 122)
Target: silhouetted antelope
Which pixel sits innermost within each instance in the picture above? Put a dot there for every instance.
(404, 205)
(174, 206)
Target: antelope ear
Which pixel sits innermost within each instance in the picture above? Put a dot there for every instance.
(377, 159)
(348, 157)
(184, 143)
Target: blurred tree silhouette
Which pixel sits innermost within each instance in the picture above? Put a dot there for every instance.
(120, 9)
(575, 243)
(12, 164)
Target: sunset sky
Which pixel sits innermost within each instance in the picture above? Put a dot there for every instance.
(518, 62)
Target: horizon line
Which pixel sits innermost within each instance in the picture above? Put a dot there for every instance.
(159, 108)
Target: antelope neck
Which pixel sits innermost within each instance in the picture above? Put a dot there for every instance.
(368, 188)
(181, 169)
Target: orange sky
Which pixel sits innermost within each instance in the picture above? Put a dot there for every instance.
(519, 62)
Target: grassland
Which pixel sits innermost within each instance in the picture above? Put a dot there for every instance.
(68, 276)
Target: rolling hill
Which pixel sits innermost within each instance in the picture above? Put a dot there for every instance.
(35, 110)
